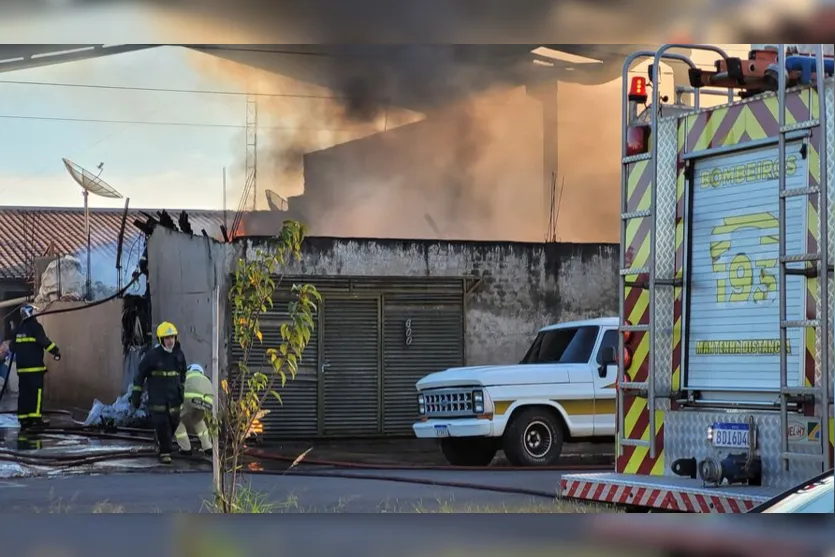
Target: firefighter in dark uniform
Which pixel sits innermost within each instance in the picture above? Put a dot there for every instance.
(28, 347)
(162, 372)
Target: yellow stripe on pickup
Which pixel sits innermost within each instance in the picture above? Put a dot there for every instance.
(574, 407)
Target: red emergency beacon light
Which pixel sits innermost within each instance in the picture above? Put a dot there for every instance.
(638, 90)
(637, 136)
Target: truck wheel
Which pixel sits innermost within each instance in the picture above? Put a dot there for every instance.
(533, 438)
(468, 452)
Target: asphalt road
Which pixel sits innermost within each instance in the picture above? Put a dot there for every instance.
(186, 492)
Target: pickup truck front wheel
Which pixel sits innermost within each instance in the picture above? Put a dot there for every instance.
(534, 437)
(468, 451)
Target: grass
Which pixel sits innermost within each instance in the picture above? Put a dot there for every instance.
(531, 506)
(254, 502)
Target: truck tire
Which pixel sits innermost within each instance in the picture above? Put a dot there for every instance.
(468, 451)
(534, 437)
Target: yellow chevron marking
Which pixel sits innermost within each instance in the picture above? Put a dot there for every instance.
(811, 102)
(814, 163)
(642, 453)
(710, 129)
(658, 468)
(631, 418)
(635, 175)
(738, 128)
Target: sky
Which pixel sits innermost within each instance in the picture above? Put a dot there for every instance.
(154, 165)
(166, 149)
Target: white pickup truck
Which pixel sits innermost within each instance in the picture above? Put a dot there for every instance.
(562, 390)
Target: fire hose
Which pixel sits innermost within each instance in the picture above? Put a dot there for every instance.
(340, 469)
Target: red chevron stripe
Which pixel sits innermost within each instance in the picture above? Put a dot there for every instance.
(640, 426)
(764, 117)
(649, 463)
(725, 126)
(797, 108)
(698, 125)
(635, 197)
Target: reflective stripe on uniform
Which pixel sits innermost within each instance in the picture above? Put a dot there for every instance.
(50, 347)
(201, 396)
(25, 339)
(165, 373)
(31, 369)
(164, 408)
(38, 413)
(137, 388)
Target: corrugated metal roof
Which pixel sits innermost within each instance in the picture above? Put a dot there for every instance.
(30, 232)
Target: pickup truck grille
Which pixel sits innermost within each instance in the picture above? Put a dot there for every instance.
(449, 403)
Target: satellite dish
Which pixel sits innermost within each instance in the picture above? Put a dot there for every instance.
(90, 183)
(276, 202)
(95, 185)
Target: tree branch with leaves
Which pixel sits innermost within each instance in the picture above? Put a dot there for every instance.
(262, 370)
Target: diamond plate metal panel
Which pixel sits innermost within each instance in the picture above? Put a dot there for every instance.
(665, 250)
(685, 436)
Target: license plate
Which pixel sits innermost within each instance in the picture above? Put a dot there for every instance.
(730, 436)
(441, 431)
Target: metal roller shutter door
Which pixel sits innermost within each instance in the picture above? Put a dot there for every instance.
(733, 324)
(297, 417)
(423, 333)
(351, 376)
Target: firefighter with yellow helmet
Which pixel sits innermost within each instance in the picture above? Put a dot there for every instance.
(198, 401)
(162, 373)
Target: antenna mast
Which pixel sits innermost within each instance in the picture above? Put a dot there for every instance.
(252, 147)
(95, 185)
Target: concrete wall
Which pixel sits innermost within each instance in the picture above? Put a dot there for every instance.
(183, 270)
(524, 286)
(91, 363)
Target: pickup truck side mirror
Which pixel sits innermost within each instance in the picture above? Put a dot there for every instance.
(609, 356)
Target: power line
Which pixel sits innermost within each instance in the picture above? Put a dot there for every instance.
(166, 90)
(178, 124)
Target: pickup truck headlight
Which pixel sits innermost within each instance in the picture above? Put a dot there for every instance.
(421, 404)
(478, 402)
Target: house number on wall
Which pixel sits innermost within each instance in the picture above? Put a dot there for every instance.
(408, 332)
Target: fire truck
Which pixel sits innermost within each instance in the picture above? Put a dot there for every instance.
(725, 352)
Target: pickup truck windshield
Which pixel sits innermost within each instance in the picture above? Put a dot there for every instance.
(572, 345)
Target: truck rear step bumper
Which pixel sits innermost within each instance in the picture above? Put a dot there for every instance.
(670, 493)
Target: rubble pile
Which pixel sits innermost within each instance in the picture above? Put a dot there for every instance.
(61, 281)
(118, 414)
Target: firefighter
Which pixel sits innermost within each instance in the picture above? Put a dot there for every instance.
(28, 347)
(162, 373)
(198, 400)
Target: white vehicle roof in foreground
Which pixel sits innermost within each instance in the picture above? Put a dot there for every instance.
(598, 321)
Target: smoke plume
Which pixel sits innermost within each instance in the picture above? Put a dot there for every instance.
(417, 141)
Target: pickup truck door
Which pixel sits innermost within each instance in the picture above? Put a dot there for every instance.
(604, 384)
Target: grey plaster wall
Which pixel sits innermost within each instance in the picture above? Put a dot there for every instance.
(183, 270)
(524, 285)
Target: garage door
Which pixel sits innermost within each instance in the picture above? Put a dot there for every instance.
(733, 324)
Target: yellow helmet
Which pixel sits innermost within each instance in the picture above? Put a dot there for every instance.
(166, 329)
